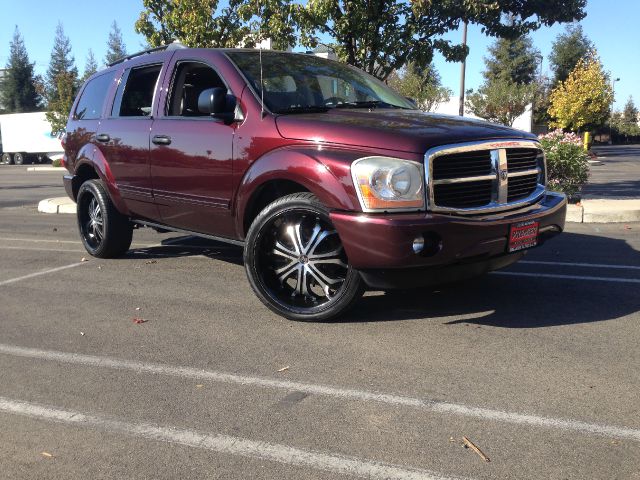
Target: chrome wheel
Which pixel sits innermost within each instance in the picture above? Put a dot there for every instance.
(302, 260)
(93, 225)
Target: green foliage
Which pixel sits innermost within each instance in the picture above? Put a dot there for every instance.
(514, 60)
(62, 61)
(567, 162)
(568, 49)
(56, 163)
(500, 101)
(420, 84)
(91, 66)
(60, 106)
(116, 49)
(583, 100)
(625, 123)
(381, 37)
(508, 87)
(201, 23)
(18, 89)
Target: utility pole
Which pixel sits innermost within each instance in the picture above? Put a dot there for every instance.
(463, 69)
(613, 99)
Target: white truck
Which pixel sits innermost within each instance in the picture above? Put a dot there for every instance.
(27, 138)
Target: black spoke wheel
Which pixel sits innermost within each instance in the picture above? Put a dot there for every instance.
(104, 231)
(296, 263)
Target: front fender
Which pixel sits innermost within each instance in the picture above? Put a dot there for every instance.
(325, 173)
(93, 157)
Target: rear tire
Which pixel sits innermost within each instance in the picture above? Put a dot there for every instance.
(295, 262)
(104, 231)
(7, 159)
(18, 158)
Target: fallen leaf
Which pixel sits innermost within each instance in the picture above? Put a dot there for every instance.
(627, 227)
(137, 309)
(55, 229)
(46, 454)
(139, 320)
(84, 259)
(82, 333)
(199, 386)
(148, 262)
(284, 369)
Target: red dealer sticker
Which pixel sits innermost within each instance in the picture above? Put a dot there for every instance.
(523, 235)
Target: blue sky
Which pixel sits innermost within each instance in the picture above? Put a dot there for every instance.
(612, 25)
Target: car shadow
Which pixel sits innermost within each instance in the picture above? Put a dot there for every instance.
(492, 300)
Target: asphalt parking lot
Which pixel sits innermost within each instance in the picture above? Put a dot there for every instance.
(538, 365)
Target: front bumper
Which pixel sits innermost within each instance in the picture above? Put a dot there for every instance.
(381, 242)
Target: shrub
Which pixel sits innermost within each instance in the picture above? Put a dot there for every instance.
(56, 163)
(567, 162)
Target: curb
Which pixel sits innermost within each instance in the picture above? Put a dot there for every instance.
(604, 211)
(57, 205)
(46, 169)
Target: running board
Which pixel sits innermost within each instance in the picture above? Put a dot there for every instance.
(239, 243)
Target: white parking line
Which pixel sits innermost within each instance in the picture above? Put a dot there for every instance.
(591, 265)
(569, 277)
(41, 249)
(435, 406)
(37, 274)
(224, 444)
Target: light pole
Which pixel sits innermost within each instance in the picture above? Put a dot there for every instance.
(463, 71)
(613, 99)
(540, 59)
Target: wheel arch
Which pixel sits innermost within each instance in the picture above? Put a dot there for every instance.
(292, 170)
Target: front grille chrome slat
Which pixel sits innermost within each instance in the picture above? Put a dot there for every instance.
(484, 176)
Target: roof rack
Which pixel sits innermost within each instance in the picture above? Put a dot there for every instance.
(172, 46)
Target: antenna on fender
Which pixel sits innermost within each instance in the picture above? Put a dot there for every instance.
(260, 55)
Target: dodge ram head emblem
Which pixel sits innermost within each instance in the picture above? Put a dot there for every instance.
(503, 175)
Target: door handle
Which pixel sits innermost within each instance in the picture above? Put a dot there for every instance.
(103, 137)
(161, 139)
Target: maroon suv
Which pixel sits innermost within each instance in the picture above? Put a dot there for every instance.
(330, 180)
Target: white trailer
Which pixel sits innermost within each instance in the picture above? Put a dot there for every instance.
(26, 138)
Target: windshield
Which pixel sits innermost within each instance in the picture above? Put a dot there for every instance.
(305, 83)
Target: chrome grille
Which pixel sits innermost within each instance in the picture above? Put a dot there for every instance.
(484, 176)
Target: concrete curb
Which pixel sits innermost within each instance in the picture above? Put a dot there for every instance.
(57, 205)
(46, 169)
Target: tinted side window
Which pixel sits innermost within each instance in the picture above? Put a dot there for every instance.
(93, 96)
(136, 97)
(189, 80)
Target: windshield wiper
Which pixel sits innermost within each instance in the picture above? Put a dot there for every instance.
(304, 109)
(369, 104)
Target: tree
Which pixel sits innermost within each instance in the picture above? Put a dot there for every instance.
(116, 49)
(420, 84)
(584, 98)
(200, 23)
(515, 60)
(59, 107)
(500, 101)
(509, 87)
(627, 123)
(61, 81)
(62, 61)
(384, 35)
(17, 90)
(91, 66)
(567, 50)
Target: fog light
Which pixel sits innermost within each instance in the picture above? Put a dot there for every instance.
(418, 244)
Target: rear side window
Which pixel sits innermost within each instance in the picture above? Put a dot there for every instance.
(93, 96)
(135, 93)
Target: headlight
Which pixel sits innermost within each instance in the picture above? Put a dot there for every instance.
(385, 183)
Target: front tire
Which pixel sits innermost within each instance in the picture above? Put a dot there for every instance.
(18, 158)
(295, 262)
(7, 159)
(104, 231)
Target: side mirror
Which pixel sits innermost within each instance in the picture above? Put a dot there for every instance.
(217, 103)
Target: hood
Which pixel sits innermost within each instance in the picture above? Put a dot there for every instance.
(391, 129)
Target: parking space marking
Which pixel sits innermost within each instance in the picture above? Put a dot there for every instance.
(434, 406)
(588, 265)
(223, 443)
(569, 277)
(37, 274)
(37, 249)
